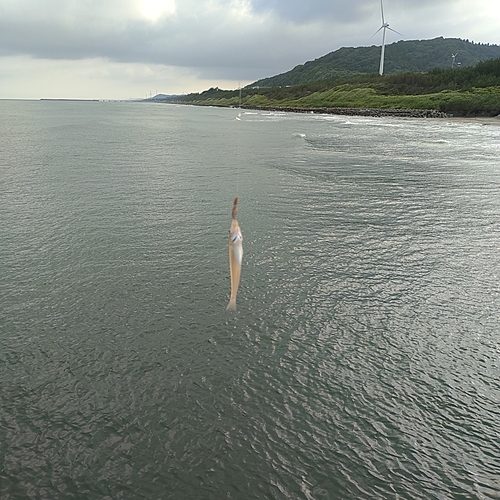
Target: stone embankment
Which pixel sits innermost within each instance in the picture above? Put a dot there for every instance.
(404, 113)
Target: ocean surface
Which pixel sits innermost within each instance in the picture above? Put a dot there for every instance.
(363, 361)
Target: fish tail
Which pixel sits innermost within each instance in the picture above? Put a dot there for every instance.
(235, 208)
(232, 305)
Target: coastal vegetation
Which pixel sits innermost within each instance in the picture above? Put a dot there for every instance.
(469, 91)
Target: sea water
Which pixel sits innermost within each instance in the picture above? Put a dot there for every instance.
(363, 360)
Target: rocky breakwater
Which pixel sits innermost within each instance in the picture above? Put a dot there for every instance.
(403, 113)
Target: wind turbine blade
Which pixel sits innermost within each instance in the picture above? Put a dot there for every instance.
(382, 10)
(381, 27)
(395, 31)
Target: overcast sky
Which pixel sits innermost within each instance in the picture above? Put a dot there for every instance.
(121, 49)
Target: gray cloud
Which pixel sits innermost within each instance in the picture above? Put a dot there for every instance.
(227, 39)
(204, 38)
(342, 11)
(300, 11)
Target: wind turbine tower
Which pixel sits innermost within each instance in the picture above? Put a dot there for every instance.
(384, 28)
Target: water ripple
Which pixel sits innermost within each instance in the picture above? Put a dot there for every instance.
(362, 362)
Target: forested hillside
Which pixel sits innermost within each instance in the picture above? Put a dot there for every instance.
(404, 56)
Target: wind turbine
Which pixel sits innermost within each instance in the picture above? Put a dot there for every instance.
(453, 64)
(384, 27)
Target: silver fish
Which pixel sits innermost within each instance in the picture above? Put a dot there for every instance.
(235, 257)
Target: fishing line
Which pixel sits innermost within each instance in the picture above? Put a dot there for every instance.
(238, 142)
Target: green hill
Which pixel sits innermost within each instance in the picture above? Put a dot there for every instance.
(415, 56)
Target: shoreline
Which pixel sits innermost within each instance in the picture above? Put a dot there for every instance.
(370, 112)
(383, 113)
(481, 120)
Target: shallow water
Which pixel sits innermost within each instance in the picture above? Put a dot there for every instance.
(363, 360)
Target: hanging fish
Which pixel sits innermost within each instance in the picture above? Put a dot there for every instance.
(235, 256)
